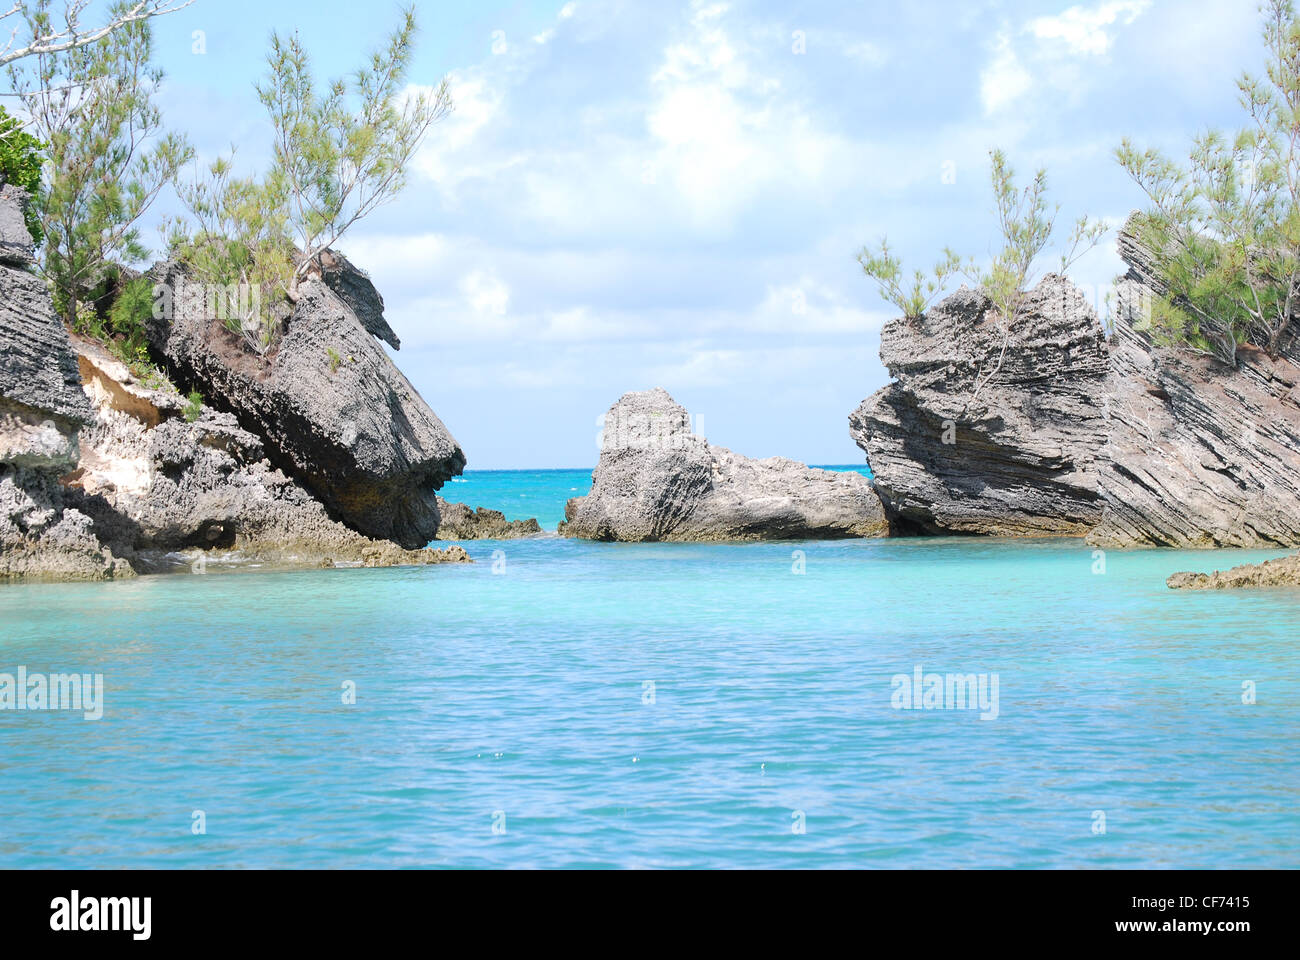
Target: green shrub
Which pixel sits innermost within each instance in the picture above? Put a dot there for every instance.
(1224, 228)
(193, 406)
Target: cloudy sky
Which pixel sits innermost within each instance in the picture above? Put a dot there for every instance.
(672, 194)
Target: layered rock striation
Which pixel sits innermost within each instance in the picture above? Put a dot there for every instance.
(986, 430)
(164, 489)
(103, 475)
(1198, 453)
(42, 412)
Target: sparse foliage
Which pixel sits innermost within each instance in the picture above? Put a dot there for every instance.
(193, 408)
(236, 243)
(107, 156)
(1225, 228)
(912, 295)
(1026, 223)
(343, 152)
(338, 155)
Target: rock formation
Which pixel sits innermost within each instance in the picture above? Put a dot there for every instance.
(1198, 454)
(163, 489)
(986, 433)
(42, 410)
(103, 475)
(1272, 573)
(656, 480)
(462, 522)
(328, 403)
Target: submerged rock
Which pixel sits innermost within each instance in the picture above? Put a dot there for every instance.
(656, 480)
(1272, 573)
(462, 522)
(986, 433)
(330, 406)
(1198, 453)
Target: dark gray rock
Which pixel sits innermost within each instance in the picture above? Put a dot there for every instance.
(16, 247)
(354, 287)
(330, 406)
(156, 484)
(988, 433)
(463, 522)
(37, 367)
(656, 481)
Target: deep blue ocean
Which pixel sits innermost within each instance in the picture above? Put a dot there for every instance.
(561, 703)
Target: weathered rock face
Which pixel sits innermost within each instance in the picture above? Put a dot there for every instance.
(1198, 454)
(42, 408)
(986, 434)
(656, 480)
(462, 522)
(330, 406)
(355, 288)
(157, 485)
(1272, 573)
(16, 247)
(42, 538)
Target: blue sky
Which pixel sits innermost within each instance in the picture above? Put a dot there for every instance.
(632, 195)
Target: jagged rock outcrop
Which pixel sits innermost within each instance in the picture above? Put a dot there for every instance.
(163, 490)
(1272, 573)
(42, 409)
(657, 481)
(354, 287)
(330, 406)
(463, 522)
(1198, 454)
(986, 433)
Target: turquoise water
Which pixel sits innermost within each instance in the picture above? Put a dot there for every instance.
(538, 494)
(521, 495)
(515, 693)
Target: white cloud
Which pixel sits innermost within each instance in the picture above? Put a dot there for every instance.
(1052, 57)
(1005, 79)
(1082, 29)
(486, 294)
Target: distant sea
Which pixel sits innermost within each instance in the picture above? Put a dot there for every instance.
(563, 704)
(539, 494)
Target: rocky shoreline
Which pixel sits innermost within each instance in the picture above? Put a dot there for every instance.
(322, 453)
(291, 463)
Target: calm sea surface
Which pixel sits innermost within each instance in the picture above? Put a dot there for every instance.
(574, 704)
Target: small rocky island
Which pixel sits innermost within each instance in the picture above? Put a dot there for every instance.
(659, 481)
